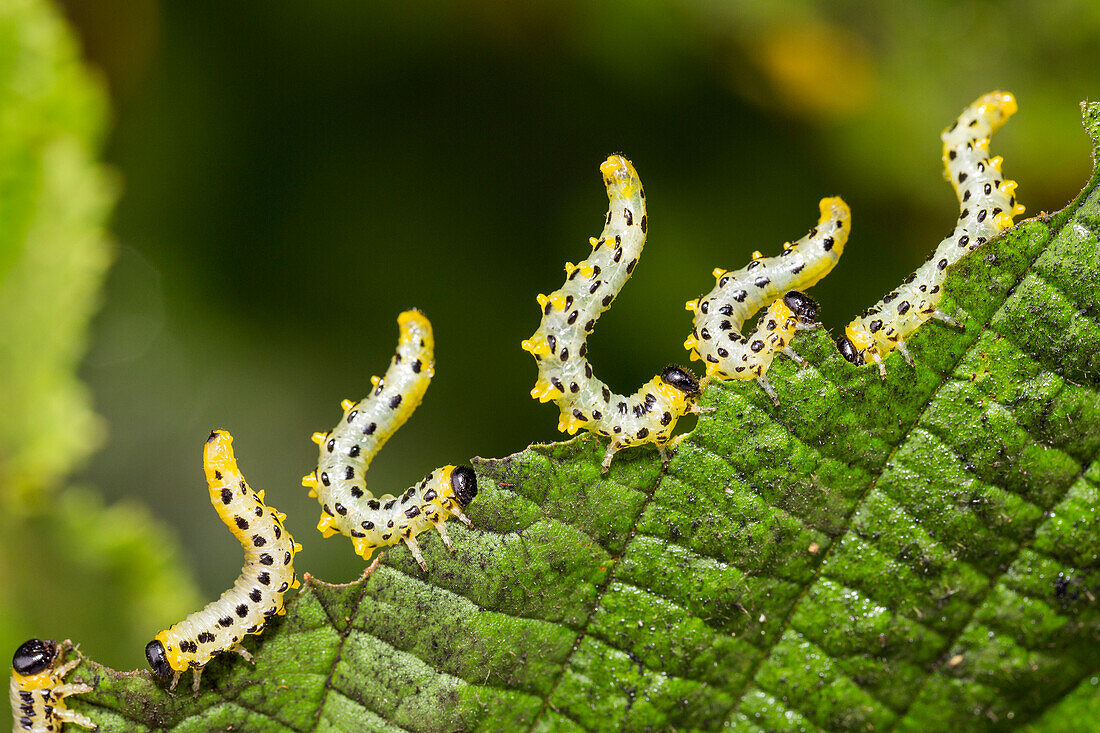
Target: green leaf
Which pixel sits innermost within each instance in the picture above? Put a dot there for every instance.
(920, 553)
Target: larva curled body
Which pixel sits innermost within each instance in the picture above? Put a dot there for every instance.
(346, 451)
(570, 314)
(38, 689)
(720, 315)
(267, 575)
(987, 203)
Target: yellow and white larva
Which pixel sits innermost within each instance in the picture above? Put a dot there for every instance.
(339, 483)
(570, 314)
(268, 573)
(987, 203)
(720, 314)
(38, 688)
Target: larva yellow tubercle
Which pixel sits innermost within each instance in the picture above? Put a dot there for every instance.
(721, 314)
(569, 315)
(268, 573)
(987, 203)
(346, 451)
(38, 688)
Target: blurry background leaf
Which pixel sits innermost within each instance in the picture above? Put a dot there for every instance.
(69, 566)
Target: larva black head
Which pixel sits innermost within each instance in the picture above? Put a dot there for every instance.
(681, 379)
(803, 306)
(34, 656)
(158, 660)
(464, 483)
(848, 350)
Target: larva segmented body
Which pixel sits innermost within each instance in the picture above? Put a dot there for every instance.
(339, 483)
(720, 314)
(987, 203)
(569, 315)
(268, 573)
(38, 688)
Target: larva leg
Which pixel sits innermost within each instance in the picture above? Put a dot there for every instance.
(75, 688)
(612, 449)
(67, 667)
(441, 527)
(414, 548)
(767, 387)
(459, 515)
(941, 316)
(904, 352)
(74, 718)
(881, 366)
(663, 453)
(175, 680)
(695, 410)
(243, 652)
(196, 679)
(794, 356)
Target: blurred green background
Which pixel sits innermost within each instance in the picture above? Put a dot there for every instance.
(290, 176)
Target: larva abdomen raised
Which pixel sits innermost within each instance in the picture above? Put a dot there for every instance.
(987, 203)
(346, 451)
(258, 592)
(570, 313)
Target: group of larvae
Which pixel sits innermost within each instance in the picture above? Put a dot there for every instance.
(987, 206)
(718, 338)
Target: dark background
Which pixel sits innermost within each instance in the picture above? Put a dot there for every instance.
(295, 174)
